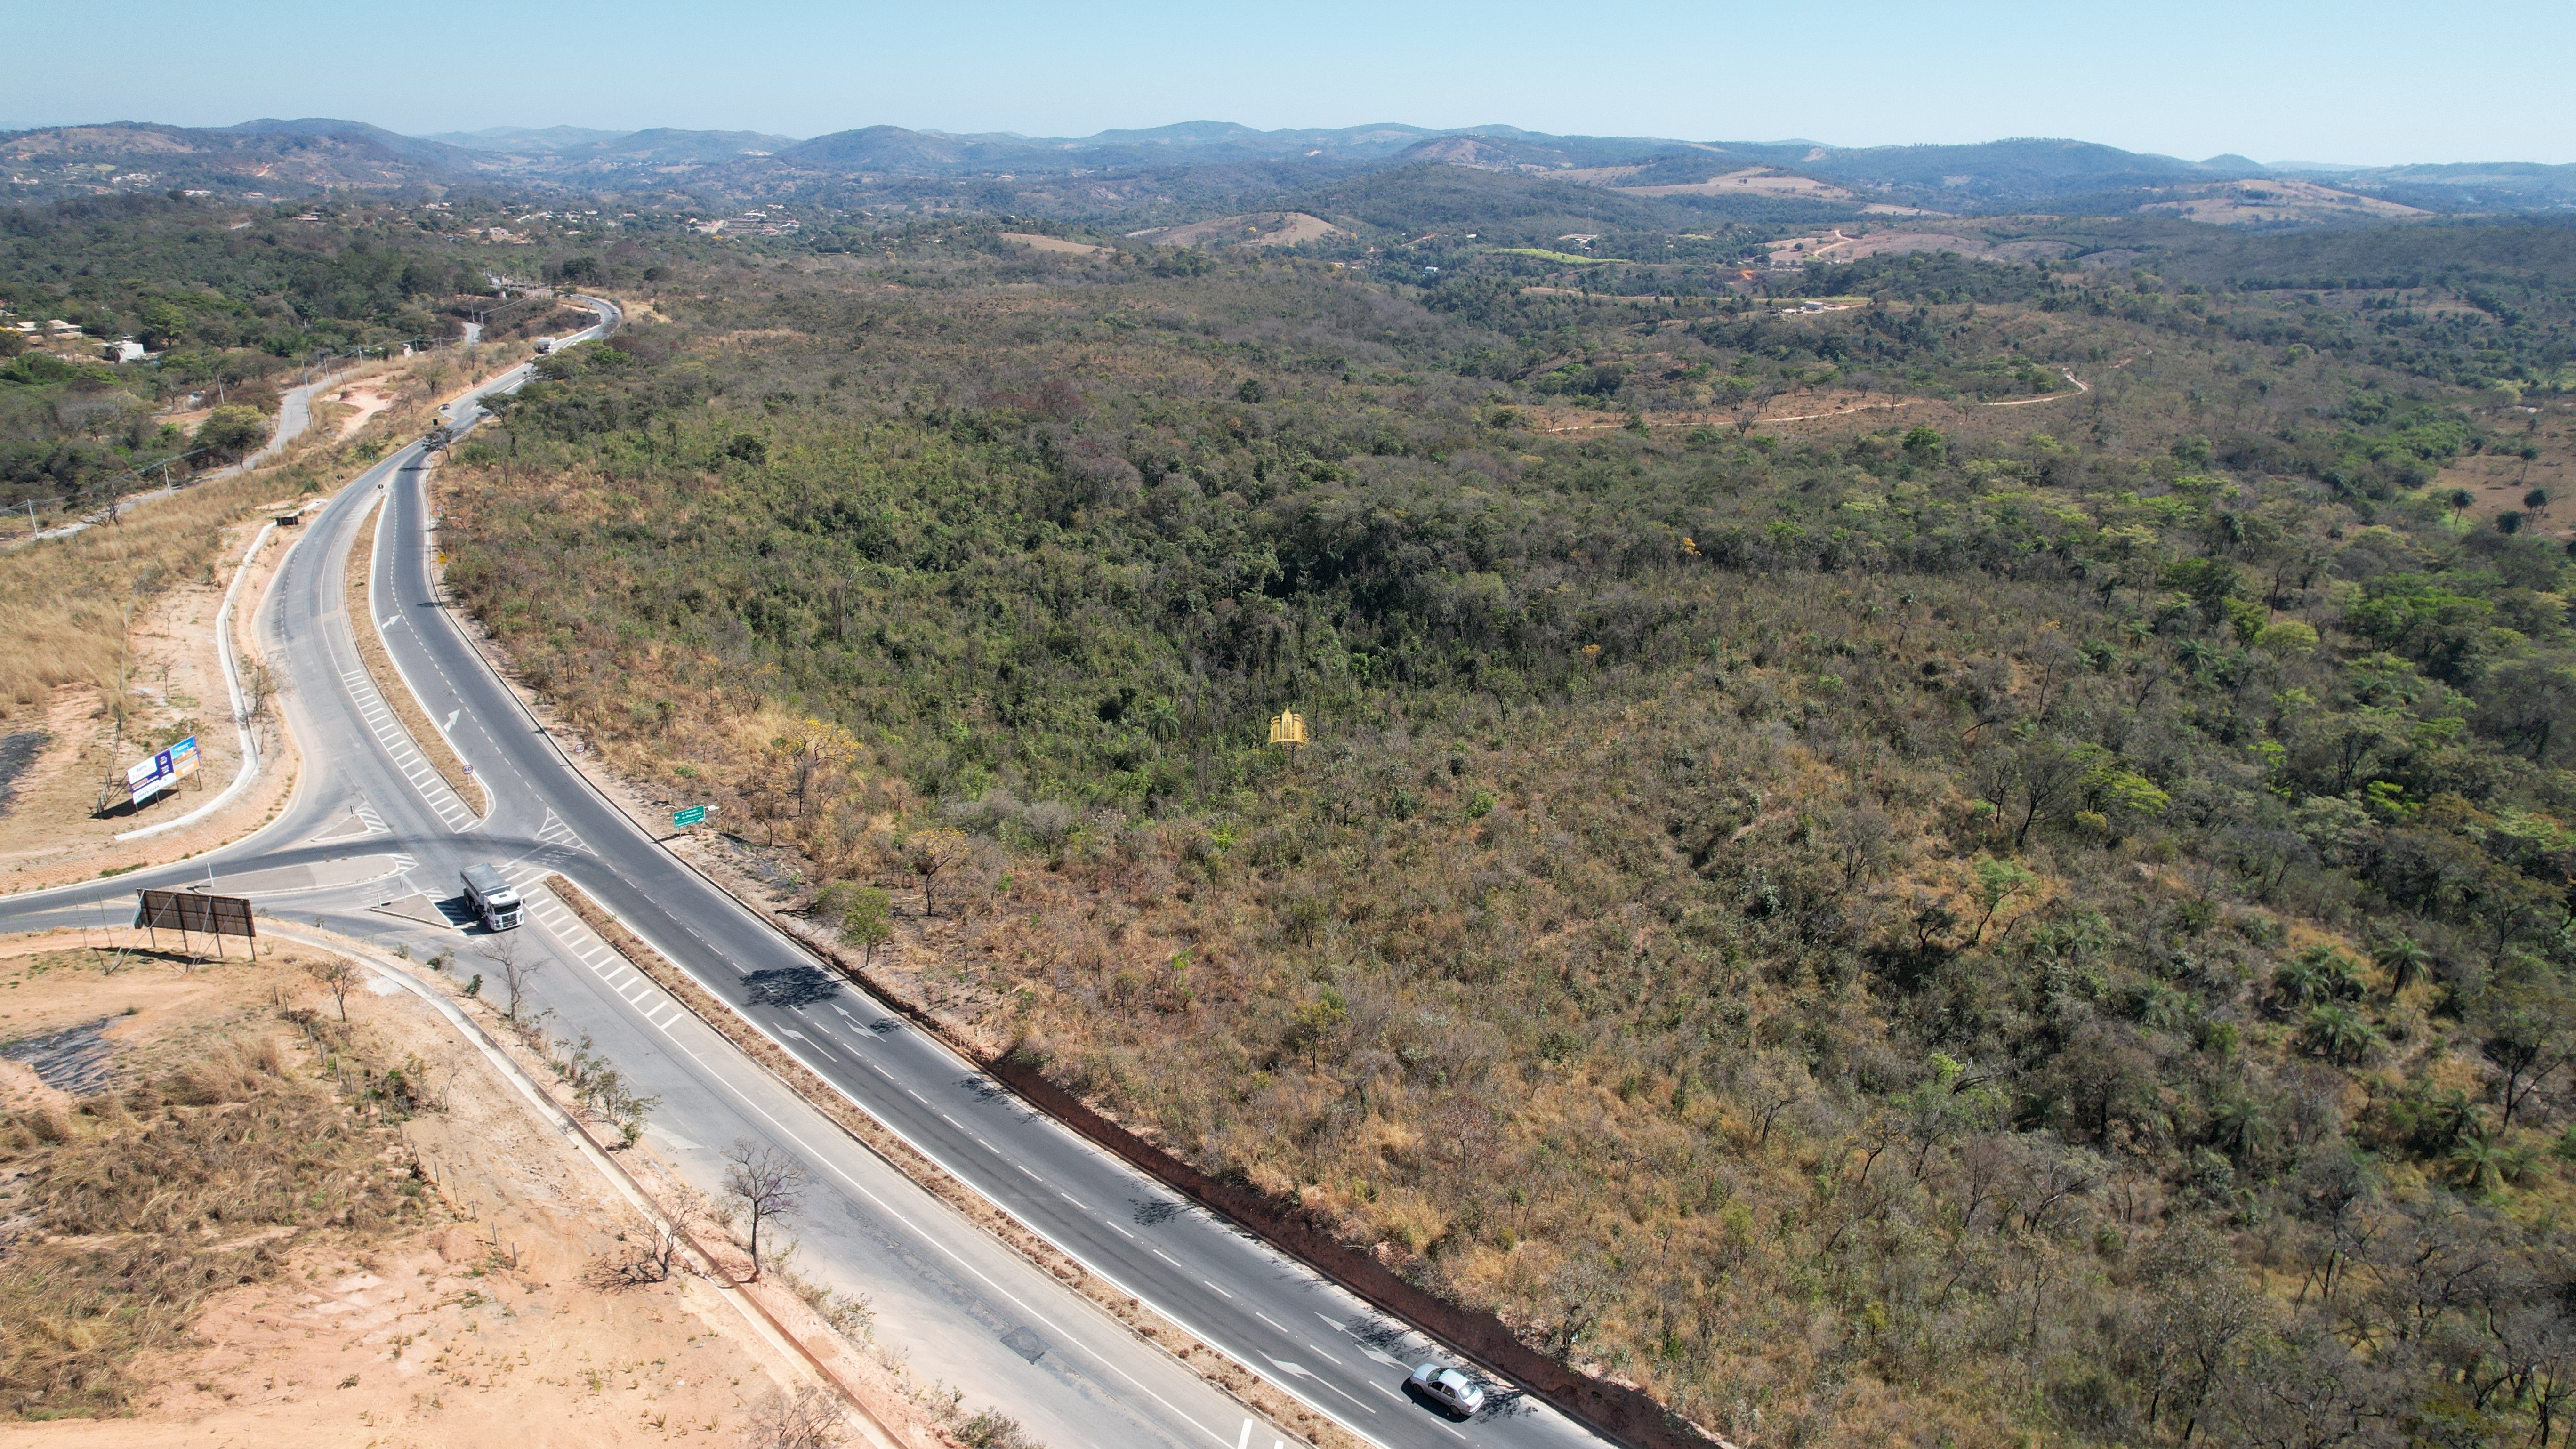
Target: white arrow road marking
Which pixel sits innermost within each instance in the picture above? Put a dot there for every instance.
(451, 720)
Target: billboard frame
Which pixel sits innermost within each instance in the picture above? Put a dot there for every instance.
(193, 912)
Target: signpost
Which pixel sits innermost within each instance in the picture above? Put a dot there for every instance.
(694, 815)
(187, 911)
(161, 771)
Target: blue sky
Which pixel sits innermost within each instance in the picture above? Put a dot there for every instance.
(2361, 81)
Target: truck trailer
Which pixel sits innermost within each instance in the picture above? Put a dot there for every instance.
(493, 897)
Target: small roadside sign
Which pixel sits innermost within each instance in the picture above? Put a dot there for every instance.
(162, 771)
(694, 815)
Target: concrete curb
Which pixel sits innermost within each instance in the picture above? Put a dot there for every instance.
(770, 1330)
(232, 682)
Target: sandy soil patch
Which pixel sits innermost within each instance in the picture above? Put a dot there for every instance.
(1035, 241)
(1838, 246)
(56, 832)
(364, 401)
(2498, 480)
(637, 309)
(2269, 202)
(1252, 229)
(473, 1328)
(1752, 181)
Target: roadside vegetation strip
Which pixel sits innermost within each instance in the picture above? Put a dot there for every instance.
(388, 680)
(1616, 1410)
(1210, 1364)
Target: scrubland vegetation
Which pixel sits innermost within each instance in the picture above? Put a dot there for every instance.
(218, 1160)
(1953, 923)
(2032, 903)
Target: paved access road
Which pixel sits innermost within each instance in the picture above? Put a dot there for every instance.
(372, 827)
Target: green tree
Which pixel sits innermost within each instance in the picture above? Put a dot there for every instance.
(232, 431)
(1997, 882)
(863, 914)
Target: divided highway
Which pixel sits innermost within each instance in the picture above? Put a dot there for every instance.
(372, 825)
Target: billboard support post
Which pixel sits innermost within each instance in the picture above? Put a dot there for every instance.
(206, 915)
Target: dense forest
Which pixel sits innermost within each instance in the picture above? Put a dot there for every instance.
(1984, 865)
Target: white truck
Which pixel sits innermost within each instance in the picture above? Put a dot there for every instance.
(492, 897)
(545, 345)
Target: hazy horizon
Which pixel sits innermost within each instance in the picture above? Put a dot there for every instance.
(2303, 81)
(515, 128)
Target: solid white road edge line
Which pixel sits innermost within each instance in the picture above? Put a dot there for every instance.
(1184, 1324)
(376, 578)
(554, 1115)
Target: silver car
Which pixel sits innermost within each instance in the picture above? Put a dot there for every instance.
(1449, 1389)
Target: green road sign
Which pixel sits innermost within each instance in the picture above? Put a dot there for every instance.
(694, 815)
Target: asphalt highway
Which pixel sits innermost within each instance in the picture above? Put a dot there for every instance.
(372, 827)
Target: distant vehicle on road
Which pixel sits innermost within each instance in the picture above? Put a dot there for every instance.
(493, 897)
(1448, 1389)
(545, 345)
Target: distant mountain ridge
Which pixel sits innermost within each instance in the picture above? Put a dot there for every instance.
(296, 157)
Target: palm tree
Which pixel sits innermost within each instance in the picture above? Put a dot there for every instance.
(2340, 1033)
(2479, 1163)
(2238, 1125)
(2315, 976)
(2404, 959)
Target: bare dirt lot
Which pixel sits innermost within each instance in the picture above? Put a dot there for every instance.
(175, 688)
(457, 1300)
(1253, 229)
(1038, 242)
(2499, 480)
(1840, 246)
(363, 400)
(2271, 202)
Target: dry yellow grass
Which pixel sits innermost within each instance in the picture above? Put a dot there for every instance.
(65, 603)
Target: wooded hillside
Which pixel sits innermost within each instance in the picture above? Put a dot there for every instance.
(1990, 863)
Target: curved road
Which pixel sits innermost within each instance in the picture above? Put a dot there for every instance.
(372, 825)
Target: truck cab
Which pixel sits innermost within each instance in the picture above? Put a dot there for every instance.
(493, 897)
